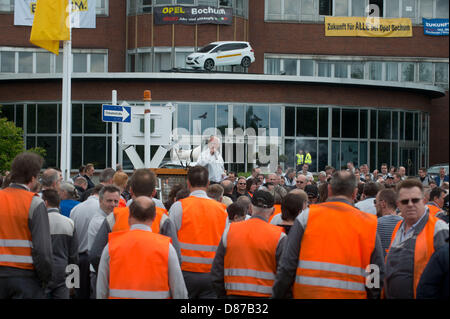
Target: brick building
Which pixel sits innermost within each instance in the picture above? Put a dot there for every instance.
(363, 99)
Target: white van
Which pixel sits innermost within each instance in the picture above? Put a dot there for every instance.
(222, 53)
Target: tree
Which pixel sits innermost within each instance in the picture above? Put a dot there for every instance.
(11, 144)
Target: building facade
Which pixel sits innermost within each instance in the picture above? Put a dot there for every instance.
(361, 99)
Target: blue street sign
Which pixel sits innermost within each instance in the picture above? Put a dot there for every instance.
(116, 113)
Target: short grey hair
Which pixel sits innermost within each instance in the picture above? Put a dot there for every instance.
(80, 180)
(49, 176)
(106, 175)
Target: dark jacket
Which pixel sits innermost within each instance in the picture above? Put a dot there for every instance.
(434, 282)
(236, 195)
(90, 183)
(64, 246)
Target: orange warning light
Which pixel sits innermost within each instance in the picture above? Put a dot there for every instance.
(147, 95)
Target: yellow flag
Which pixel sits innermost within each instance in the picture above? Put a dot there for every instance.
(51, 24)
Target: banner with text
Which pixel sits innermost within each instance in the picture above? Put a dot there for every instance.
(435, 26)
(83, 13)
(193, 15)
(367, 27)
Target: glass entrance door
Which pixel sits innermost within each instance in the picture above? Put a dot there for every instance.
(410, 160)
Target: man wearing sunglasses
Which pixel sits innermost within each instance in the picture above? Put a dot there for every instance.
(413, 241)
(301, 182)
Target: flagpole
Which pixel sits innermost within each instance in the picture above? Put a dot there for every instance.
(66, 120)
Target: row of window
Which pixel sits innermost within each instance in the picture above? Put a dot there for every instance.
(315, 10)
(101, 7)
(401, 70)
(240, 7)
(24, 60)
(30, 60)
(302, 122)
(351, 123)
(333, 135)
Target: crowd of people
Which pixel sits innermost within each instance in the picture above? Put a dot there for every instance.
(282, 234)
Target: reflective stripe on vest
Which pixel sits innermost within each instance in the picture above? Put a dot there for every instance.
(197, 260)
(15, 243)
(138, 294)
(202, 225)
(267, 290)
(16, 259)
(250, 273)
(330, 283)
(15, 234)
(198, 247)
(317, 265)
(329, 268)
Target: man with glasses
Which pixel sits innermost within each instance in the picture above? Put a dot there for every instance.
(241, 189)
(413, 241)
(301, 182)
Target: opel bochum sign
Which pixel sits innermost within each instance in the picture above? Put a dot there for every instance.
(193, 15)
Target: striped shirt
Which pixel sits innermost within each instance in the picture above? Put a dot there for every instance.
(385, 228)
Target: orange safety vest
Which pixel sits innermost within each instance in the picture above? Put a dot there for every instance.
(202, 225)
(424, 247)
(433, 210)
(15, 234)
(121, 215)
(250, 269)
(275, 212)
(139, 265)
(335, 250)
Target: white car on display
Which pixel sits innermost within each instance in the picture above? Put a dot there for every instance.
(222, 53)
